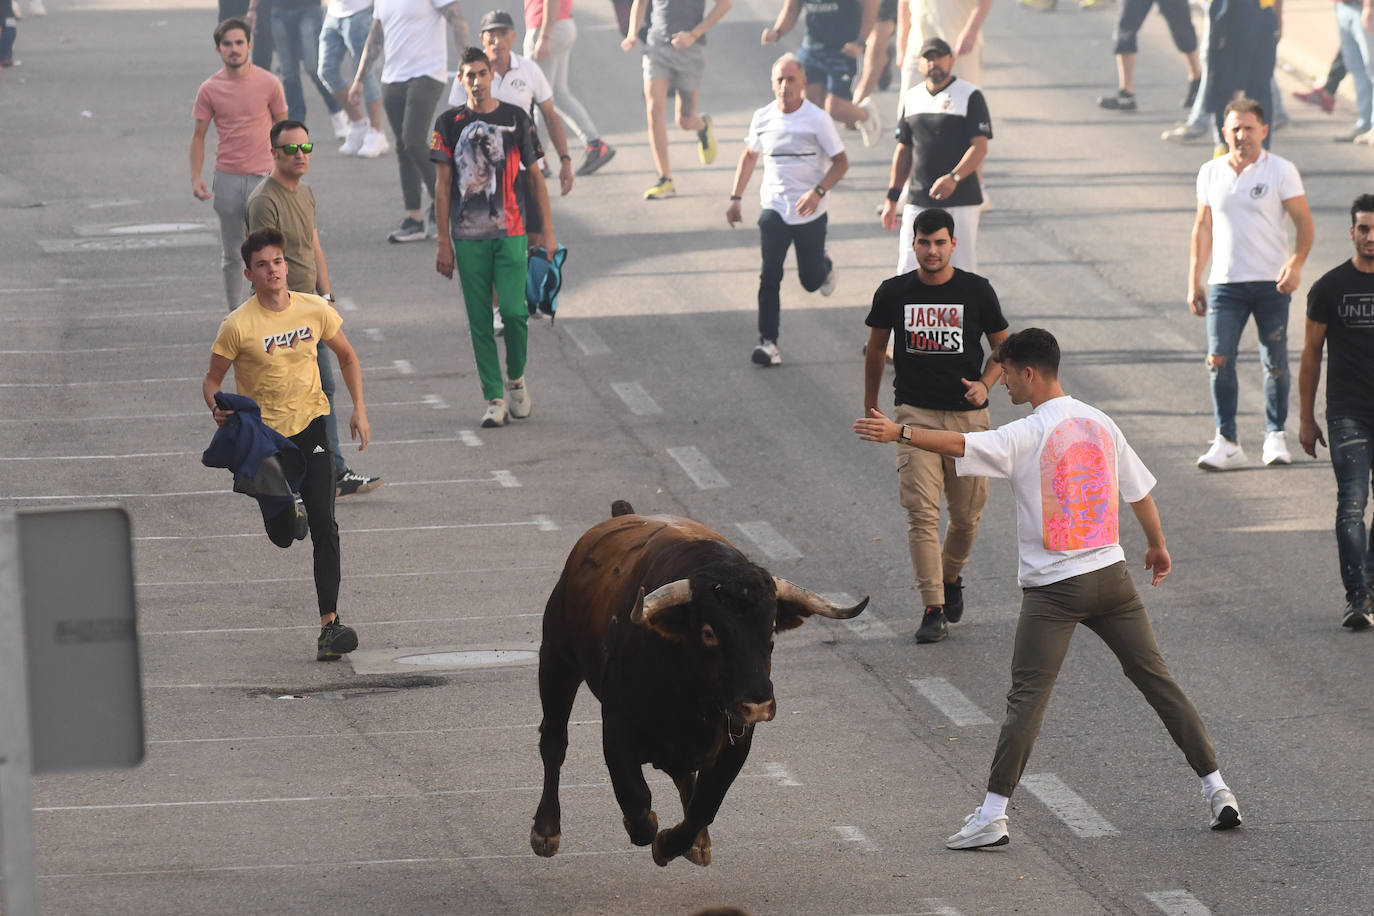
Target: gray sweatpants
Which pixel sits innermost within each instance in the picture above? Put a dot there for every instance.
(231, 192)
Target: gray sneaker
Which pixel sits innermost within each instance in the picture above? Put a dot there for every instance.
(1224, 809)
(519, 403)
(496, 414)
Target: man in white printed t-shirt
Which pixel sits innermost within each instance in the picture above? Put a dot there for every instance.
(1241, 202)
(1068, 465)
(803, 159)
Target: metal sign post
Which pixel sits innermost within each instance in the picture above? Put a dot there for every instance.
(16, 780)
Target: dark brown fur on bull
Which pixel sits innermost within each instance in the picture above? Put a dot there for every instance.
(672, 629)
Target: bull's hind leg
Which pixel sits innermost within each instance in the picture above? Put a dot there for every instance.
(700, 851)
(558, 682)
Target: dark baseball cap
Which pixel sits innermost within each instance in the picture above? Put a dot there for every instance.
(934, 47)
(497, 19)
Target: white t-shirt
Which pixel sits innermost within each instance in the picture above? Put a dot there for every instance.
(1069, 467)
(796, 149)
(341, 9)
(1249, 240)
(522, 83)
(414, 38)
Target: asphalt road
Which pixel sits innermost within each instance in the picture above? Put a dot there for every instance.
(274, 784)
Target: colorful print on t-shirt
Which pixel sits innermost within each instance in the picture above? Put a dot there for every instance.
(1078, 488)
(934, 328)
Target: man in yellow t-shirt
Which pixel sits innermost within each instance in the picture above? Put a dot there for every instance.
(271, 342)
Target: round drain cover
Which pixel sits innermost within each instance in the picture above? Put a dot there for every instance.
(475, 658)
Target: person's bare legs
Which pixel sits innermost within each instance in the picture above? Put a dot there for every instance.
(1125, 72)
(875, 59)
(656, 106)
(687, 117)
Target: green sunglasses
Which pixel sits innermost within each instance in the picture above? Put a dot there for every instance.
(290, 148)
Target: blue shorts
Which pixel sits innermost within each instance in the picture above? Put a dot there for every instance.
(834, 69)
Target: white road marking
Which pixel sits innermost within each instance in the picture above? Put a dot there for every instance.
(469, 438)
(403, 366)
(769, 541)
(291, 627)
(227, 492)
(867, 625)
(107, 204)
(1178, 903)
(696, 466)
(109, 317)
(587, 340)
(856, 836)
(636, 398)
(542, 522)
(349, 734)
(778, 773)
(945, 697)
(1065, 804)
(374, 443)
(346, 304)
(73, 352)
(505, 478)
(126, 418)
(374, 334)
(447, 571)
(433, 400)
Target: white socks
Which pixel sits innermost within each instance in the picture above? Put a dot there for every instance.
(1211, 782)
(994, 806)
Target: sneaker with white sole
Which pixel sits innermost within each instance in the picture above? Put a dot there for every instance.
(496, 414)
(1275, 449)
(828, 284)
(410, 230)
(871, 127)
(520, 403)
(351, 483)
(357, 133)
(339, 121)
(1185, 133)
(1359, 613)
(498, 327)
(374, 144)
(1223, 808)
(1222, 456)
(975, 834)
(766, 354)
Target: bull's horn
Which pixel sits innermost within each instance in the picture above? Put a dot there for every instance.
(660, 599)
(814, 602)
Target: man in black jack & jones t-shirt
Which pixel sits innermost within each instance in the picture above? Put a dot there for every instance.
(1340, 315)
(940, 315)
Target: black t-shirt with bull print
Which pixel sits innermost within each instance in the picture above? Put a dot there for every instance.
(489, 198)
(939, 335)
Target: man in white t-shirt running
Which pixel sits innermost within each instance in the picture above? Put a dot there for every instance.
(803, 159)
(1068, 465)
(1242, 199)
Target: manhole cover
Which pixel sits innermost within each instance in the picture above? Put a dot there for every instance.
(476, 658)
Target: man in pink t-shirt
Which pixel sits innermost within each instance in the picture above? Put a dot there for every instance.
(243, 101)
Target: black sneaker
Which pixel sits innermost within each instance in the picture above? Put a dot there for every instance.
(301, 526)
(336, 641)
(1122, 101)
(431, 223)
(1359, 614)
(954, 600)
(351, 482)
(933, 626)
(410, 230)
(1193, 86)
(599, 152)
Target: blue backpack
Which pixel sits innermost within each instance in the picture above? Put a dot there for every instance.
(543, 280)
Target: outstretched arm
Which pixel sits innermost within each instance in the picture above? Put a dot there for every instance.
(876, 427)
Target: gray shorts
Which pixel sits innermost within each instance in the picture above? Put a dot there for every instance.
(682, 69)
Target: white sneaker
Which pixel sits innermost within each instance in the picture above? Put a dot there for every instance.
(871, 127)
(976, 834)
(1222, 456)
(520, 403)
(357, 133)
(339, 121)
(1224, 809)
(1366, 138)
(766, 354)
(495, 415)
(1275, 449)
(374, 144)
(498, 326)
(37, 8)
(828, 285)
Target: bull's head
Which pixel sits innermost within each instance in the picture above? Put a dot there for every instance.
(727, 622)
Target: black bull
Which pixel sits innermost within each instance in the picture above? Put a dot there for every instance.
(672, 629)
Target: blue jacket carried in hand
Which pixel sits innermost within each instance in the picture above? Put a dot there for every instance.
(266, 464)
(543, 280)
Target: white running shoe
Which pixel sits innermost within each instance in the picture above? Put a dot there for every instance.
(374, 144)
(1224, 809)
(498, 326)
(1222, 456)
(766, 354)
(975, 834)
(496, 414)
(357, 133)
(37, 8)
(828, 285)
(871, 127)
(1275, 449)
(339, 121)
(520, 403)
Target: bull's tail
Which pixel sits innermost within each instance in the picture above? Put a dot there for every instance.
(621, 507)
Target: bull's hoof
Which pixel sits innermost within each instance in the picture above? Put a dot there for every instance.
(543, 845)
(669, 844)
(699, 853)
(660, 859)
(642, 832)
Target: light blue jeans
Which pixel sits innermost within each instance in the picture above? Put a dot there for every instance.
(1229, 307)
(1355, 51)
(346, 34)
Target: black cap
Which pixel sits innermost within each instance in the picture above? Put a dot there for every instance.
(933, 47)
(497, 19)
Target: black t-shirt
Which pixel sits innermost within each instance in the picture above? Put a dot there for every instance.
(939, 335)
(831, 24)
(1343, 300)
(489, 196)
(939, 128)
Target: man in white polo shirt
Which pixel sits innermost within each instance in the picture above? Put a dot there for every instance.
(803, 159)
(1241, 202)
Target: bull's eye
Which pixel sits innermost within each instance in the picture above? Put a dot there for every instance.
(708, 636)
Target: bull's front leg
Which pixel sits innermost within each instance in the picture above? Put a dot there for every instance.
(712, 783)
(627, 779)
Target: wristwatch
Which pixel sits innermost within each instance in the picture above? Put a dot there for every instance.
(954, 175)
(328, 297)
(905, 434)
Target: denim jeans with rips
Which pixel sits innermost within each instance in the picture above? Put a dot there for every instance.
(1229, 307)
(1352, 458)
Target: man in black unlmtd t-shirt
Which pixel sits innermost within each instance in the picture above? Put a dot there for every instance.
(940, 315)
(1340, 314)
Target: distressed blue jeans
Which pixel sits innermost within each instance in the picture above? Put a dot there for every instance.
(1229, 307)
(1352, 456)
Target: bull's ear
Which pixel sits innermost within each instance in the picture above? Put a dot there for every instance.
(790, 616)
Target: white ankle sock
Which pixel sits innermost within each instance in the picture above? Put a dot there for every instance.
(994, 806)
(1211, 782)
